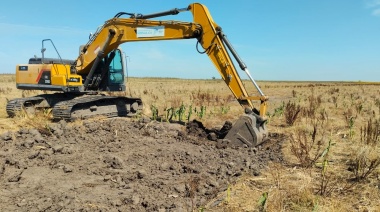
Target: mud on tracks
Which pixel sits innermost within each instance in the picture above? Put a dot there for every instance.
(121, 164)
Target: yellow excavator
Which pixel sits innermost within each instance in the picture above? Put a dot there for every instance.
(100, 67)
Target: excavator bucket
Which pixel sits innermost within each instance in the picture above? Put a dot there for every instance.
(249, 130)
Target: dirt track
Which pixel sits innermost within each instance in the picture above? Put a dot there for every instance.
(120, 164)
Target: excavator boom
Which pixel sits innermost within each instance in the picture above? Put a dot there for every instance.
(137, 28)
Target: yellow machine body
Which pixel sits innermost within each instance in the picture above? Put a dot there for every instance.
(46, 77)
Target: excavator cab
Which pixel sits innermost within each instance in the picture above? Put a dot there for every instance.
(110, 73)
(116, 72)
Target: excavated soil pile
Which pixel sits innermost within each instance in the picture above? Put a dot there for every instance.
(120, 164)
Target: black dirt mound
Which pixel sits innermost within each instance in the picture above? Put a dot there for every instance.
(196, 128)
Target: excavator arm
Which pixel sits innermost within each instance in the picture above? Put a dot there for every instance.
(250, 128)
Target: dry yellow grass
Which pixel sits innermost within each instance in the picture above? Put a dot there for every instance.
(341, 109)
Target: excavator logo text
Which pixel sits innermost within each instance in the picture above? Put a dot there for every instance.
(147, 32)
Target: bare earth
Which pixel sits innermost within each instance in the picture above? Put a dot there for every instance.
(122, 165)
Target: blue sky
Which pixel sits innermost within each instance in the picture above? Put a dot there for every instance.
(324, 40)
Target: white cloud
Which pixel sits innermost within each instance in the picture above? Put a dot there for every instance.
(17, 28)
(154, 54)
(374, 5)
(376, 12)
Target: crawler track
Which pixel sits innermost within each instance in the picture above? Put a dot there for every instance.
(76, 106)
(16, 105)
(99, 105)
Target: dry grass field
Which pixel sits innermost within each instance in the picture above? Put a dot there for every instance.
(332, 130)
